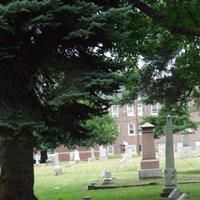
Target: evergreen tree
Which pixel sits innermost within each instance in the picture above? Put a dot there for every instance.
(55, 73)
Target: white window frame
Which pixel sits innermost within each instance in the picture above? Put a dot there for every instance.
(140, 112)
(117, 111)
(108, 151)
(152, 109)
(130, 134)
(128, 111)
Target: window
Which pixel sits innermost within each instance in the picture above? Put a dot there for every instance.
(140, 109)
(154, 109)
(110, 150)
(130, 110)
(114, 111)
(131, 129)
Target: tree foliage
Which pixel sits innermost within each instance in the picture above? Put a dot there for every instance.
(103, 130)
(54, 71)
(181, 121)
(165, 37)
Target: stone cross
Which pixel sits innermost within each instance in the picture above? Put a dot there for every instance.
(170, 178)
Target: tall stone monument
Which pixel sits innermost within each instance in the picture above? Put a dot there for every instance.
(149, 164)
(170, 178)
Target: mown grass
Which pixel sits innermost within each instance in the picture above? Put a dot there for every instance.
(72, 184)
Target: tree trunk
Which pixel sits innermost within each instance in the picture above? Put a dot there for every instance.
(16, 169)
(43, 156)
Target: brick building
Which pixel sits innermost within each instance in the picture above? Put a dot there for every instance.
(128, 118)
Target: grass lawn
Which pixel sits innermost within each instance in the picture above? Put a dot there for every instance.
(71, 185)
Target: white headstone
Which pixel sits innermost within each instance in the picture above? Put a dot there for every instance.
(179, 146)
(197, 146)
(37, 158)
(58, 169)
(71, 155)
(127, 154)
(102, 153)
(186, 151)
(107, 177)
(186, 140)
(76, 156)
(161, 149)
(93, 158)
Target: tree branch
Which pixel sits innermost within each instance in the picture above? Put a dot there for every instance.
(148, 10)
(162, 18)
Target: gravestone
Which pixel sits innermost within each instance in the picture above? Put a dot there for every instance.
(57, 170)
(76, 156)
(149, 164)
(102, 153)
(161, 149)
(93, 158)
(179, 147)
(37, 159)
(107, 177)
(72, 158)
(127, 153)
(186, 150)
(170, 178)
(197, 146)
(71, 155)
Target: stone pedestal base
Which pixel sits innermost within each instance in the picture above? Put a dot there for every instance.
(149, 164)
(150, 173)
(170, 181)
